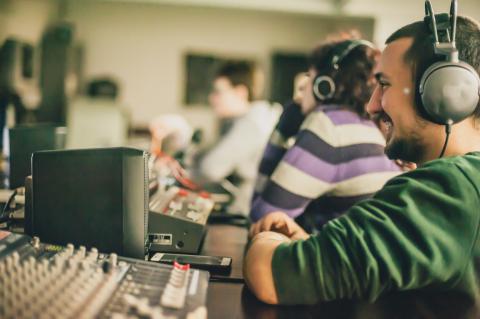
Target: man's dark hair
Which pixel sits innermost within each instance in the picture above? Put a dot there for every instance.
(238, 73)
(354, 78)
(421, 55)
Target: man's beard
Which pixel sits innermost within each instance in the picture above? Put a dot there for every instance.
(409, 149)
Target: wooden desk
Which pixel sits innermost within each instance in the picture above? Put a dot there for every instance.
(224, 298)
(226, 240)
(233, 299)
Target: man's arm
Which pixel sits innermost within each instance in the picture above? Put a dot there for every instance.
(257, 269)
(416, 232)
(237, 146)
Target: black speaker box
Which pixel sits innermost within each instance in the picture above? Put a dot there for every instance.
(92, 197)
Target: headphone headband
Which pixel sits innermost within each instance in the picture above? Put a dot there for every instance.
(351, 44)
(323, 85)
(447, 49)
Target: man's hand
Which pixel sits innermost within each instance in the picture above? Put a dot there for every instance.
(257, 265)
(281, 223)
(406, 166)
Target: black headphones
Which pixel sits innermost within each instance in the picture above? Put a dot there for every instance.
(449, 89)
(323, 85)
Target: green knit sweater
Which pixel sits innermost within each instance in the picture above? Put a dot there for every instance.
(419, 232)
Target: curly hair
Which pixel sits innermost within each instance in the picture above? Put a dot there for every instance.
(354, 79)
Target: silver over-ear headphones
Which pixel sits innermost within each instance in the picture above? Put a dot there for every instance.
(449, 89)
(323, 85)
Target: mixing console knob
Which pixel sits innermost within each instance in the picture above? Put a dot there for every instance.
(70, 249)
(143, 307)
(193, 215)
(9, 262)
(110, 264)
(15, 257)
(31, 262)
(204, 194)
(113, 259)
(82, 251)
(93, 254)
(83, 265)
(36, 242)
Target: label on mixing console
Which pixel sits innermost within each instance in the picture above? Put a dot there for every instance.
(161, 239)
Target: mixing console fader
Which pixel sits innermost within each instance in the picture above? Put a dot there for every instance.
(46, 281)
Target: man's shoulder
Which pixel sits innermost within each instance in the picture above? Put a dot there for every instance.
(448, 172)
(261, 114)
(467, 166)
(469, 161)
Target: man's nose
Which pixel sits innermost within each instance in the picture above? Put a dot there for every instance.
(375, 104)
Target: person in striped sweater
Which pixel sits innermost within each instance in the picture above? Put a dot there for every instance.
(324, 154)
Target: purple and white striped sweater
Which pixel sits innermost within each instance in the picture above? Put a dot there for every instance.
(337, 159)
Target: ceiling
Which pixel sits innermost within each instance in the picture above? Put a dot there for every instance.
(323, 7)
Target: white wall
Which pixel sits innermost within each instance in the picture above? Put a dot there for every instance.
(26, 19)
(143, 41)
(389, 14)
(144, 46)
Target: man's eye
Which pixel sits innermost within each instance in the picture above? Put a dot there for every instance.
(383, 84)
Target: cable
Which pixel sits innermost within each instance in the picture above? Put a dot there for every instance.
(448, 129)
(4, 216)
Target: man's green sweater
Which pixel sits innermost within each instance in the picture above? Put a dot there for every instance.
(419, 232)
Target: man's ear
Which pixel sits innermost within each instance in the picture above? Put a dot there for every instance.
(242, 91)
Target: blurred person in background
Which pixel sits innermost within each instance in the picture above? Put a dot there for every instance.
(235, 156)
(171, 134)
(171, 138)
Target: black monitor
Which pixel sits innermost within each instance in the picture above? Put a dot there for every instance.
(26, 139)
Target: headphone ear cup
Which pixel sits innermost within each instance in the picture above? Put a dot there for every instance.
(449, 92)
(323, 87)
